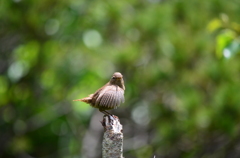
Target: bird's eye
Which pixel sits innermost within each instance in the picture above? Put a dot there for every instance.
(113, 77)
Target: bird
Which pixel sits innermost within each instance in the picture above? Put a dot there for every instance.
(108, 97)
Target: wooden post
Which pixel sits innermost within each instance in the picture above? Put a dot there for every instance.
(112, 144)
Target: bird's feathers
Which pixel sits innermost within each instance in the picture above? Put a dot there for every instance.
(86, 100)
(110, 96)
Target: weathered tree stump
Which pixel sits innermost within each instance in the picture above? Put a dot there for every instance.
(112, 144)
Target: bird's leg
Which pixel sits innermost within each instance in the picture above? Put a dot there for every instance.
(110, 116)
(108, 113)
(105, 112)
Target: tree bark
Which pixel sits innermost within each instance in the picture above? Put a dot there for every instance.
(112, 144)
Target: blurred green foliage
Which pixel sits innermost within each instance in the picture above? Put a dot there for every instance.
(179, 58)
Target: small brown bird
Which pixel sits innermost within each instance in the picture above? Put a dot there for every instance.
(110, 96)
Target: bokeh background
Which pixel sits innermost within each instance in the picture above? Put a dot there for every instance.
(181, 65)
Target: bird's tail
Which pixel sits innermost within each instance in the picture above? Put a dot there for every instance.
(86, 100)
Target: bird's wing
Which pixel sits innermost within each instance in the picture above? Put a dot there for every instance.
(111, 97)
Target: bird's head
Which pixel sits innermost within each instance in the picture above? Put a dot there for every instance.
(117, 79)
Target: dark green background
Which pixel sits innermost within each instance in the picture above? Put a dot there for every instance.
(179, 58)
